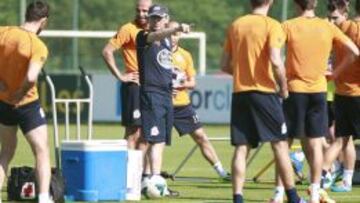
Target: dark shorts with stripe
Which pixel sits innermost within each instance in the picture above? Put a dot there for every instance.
(256, 117)
(306, 115)
(27, 117)
(347, 116)
(130, 105)
(156, 117)
(186, 120)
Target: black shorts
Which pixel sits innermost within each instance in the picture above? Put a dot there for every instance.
(156, 117)
(28, 117)
(256, 117)
(130, 105)
(306, 115)
(186, 120)
(347, 116)
(331, 113)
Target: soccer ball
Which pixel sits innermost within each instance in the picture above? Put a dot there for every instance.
(297, 156)
(178, 77)
(156, 187)
(297, 160)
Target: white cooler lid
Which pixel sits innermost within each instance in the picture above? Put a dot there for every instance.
(94, 145)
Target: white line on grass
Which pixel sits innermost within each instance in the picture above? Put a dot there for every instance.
(357, 197)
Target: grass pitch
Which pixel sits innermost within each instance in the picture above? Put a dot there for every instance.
(197, 181)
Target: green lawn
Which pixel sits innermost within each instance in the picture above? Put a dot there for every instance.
(197, 181)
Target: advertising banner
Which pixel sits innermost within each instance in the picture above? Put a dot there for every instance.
(211, 98)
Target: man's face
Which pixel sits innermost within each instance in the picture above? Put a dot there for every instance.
(175, 37)
(337, 17)
(157, 22)
(142, 9)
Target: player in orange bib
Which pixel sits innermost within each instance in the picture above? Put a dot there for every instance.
(252, 55)
(186, 120)
(347, 99)
(125, 40)
(309, 41)
(22, 56)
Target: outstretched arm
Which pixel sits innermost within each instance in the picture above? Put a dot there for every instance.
(167, 32)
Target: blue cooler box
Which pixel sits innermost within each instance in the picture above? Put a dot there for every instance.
(94, 170)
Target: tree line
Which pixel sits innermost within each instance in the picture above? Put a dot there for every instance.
(210, 16)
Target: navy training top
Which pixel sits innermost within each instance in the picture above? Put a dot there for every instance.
(155, 64)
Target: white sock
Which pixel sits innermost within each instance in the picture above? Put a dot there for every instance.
(347, 177)
(314, 192)
(44, 198)
(279, 193)
(219, 169)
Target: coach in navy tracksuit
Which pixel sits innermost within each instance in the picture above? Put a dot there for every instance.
(155, 67)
